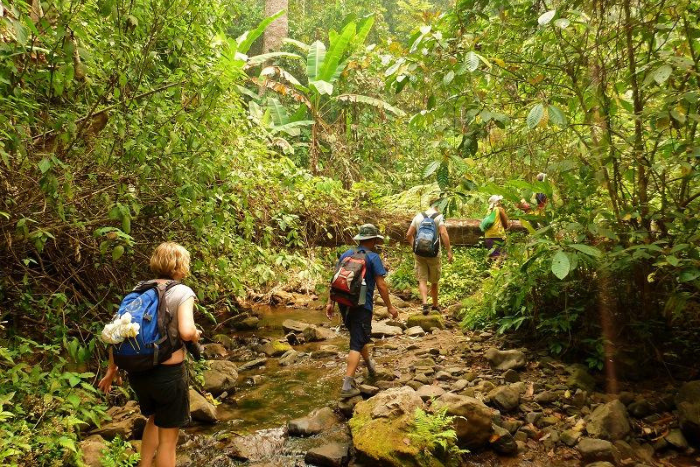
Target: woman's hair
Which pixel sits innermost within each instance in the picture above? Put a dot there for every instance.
(170, 259)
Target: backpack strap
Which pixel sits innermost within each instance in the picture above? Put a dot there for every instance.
(434, 215)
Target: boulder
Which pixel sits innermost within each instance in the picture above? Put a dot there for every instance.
(347, 406)
(317, 421)
(389, 414)
(381, 329)
(505, 398)
(472, 421)
(415, 331)
(380, 313)
(316, 334)
(92, 448)
(427, 392)
(426, 322)
(127, 423)
(505, 359)
(609, 421)
(255, 447)
(595, 450)
(275, 348)
(676, 439)
(511, 376)
(329, 455)
(281, 297)
(325, 351)
(290, 325)
(250, 323)
(220, 377)
(201, 409)
(688, 405)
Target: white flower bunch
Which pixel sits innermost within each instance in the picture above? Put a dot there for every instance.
(119, 329)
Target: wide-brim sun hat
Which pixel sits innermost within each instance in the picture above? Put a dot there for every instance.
(367, 232)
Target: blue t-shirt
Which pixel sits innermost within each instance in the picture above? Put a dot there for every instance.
(375, 268)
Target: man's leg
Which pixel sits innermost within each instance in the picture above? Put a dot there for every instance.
(434, 293)
(149, 443)
(353, 362)
(167, 443)
(423, 288)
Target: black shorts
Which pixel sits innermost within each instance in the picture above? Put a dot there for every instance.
(164, 393)
(358, 320)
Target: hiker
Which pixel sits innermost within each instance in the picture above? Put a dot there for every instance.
(358, 271)
(163, 390)
(494, 226)
(426, 233)
(541, 198)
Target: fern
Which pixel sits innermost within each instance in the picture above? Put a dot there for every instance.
(433, 434)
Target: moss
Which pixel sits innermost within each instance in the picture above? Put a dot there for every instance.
(276, 348)
(428, 322)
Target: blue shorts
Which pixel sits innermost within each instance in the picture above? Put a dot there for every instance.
(358, 320)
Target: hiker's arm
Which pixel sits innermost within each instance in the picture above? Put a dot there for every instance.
(411, 234)
(384, 293)
(445, 238)
(504, 218)
(185, 324)
(105, 383)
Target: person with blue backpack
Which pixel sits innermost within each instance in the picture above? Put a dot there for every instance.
(426, 233)
(357, 273)
(147, 339)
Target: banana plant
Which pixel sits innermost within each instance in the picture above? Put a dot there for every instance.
(316, 94)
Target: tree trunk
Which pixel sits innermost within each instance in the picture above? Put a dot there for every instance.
(279, 29)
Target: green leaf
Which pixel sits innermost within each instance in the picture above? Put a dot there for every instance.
(363, 30)
(291, 126)
(535, 116)
(588, 250)
(262, 58)
(314, 60)
(447, 79)
(556, 116)
(247, 39)
(689, 275)
(560, 265)
(662, 73)
(336, 52)
(472, 61)
(44, 165)
(562, 23)
(322, 87)
(431, 168)
(117, 252)
(279, 112)
(673, 261)
(298, 44)
(371, 101)
(545, 18)
(67, 443)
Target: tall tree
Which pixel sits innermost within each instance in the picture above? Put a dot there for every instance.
(279, 29)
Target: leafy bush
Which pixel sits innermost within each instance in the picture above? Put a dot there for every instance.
(43, 406)
(435, 438)
(119, 453)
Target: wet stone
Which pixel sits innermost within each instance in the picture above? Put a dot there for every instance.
(257, 363)
(511, 376)
(428, 392)
(328, 455)
(346, 406)
(368, 390)
(317, 421)
(595, 449)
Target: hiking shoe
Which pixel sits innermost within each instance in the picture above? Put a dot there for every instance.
(348, 393)
(426, 309)
(372, 370)
(436, 308)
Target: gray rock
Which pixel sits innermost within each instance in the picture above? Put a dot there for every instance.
(472, 421)
(415, 331)
(325, 351)
(257, 363)
(459, 385)
(428, 392)
(201, 409)
(368, 390)
(580, 378)
(511, 376)
(213, 351)
(247, 324)
(275, 348)
(254, 447)
(329, 455)
(443, 376)
(316, 334)
(505, 398)
(503, 442)
(291, 325)
(347, 406)
(609, 421)
(381, 329)
(570, 437)
(676, 439)
(640, 409)
(426, 322)
(546, 397)
(220, 377)
(505, 359)
(289, 358)
(317, 421)
(595, 449)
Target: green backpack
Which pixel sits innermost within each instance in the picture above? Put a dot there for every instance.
(488, 221)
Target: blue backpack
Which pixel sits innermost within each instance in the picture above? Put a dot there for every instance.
(158, 335)
(427, 240)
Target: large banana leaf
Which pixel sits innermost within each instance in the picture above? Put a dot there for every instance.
(322, 87)
(358, 98)
(363, 30)
(279, 113)
(260, 59)
(315, 59)
(249, 37)
(298, 44)
(292, 128)
(336, 52)
(271, 71)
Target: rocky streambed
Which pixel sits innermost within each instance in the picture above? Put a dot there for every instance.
(271, 400)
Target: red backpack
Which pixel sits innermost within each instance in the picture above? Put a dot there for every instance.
(348, 280)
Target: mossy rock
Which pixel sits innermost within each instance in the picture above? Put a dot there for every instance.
(395, 447)
(275, 348)
(427, 322)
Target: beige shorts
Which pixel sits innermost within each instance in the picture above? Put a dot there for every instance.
(428, 269)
